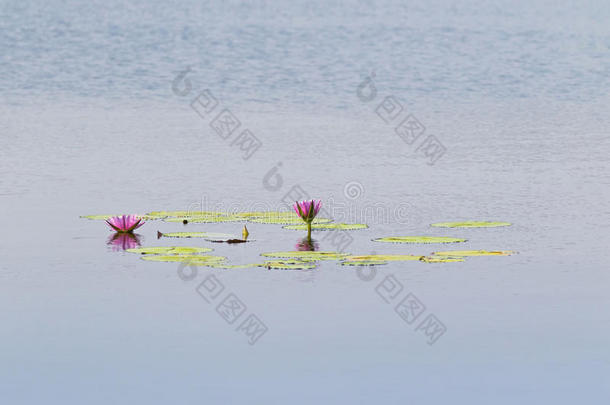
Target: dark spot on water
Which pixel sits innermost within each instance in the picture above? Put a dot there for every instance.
(159, 234)
(185, 221)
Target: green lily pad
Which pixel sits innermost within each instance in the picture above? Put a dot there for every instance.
(171, 250)
(400, 258)
(470, 224)
(363, 263)
(419, 239)
(307, 255)
(197, 260)
(432, 259)
(463, 253)
(327, 227)
(205, 235)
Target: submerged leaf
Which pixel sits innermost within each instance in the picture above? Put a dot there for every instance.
(326, 227)
(463, 253)
(169, 250)
(470, 224)
(419, 239)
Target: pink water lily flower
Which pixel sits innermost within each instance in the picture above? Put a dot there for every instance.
(125, 223)
(308, 210)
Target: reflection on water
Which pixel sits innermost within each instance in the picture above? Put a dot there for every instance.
(122, 241)
(307, 245)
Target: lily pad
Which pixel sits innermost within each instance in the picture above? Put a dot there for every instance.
(288, 265)
(233, 266)
(363, 263)
(384, 258)
(327, 227)
(286, 220)
(197, 260)
(470, 224)
(165, 214)
(433, 259)
(206, 219)
(205, 235)
(307, 255)
(98, 217)
(463, 253)
(169, 250)
(419, 239)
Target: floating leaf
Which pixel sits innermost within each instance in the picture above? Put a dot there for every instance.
(432, 259)
(206, 219)
(164, 214)
(205, 235)
(233, 266)
(463, 253)
(288, 265)
(326, 227)
(383, 258)
(419, 239)
(286, 220)
(98, 217)
(363, 263)
(197, 260)
(169, 250)
(470, 224)
(307, 255)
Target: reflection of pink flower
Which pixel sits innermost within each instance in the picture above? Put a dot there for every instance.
(124, 241)
(125, 223)
(307, 245)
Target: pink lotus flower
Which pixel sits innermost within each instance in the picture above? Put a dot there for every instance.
(125, 223)
(308, 210)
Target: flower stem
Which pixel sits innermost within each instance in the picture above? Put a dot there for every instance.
(309, 231)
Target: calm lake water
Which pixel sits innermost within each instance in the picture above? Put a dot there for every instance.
(96, 118)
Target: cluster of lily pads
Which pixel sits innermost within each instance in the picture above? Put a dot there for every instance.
(307, 259)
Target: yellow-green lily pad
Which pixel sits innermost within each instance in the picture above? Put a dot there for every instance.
(206, 219)
(400, 258)
(233, 266)
(184, 214)
(205, 235)
(363, 263)
(419, 239)
(288, 265)
(433, 259)
(98, 217)
(463, 253)
(470, 224)
(286, 220)
(327, 227)
(169, 250)
(190, 259)
(307, 255)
